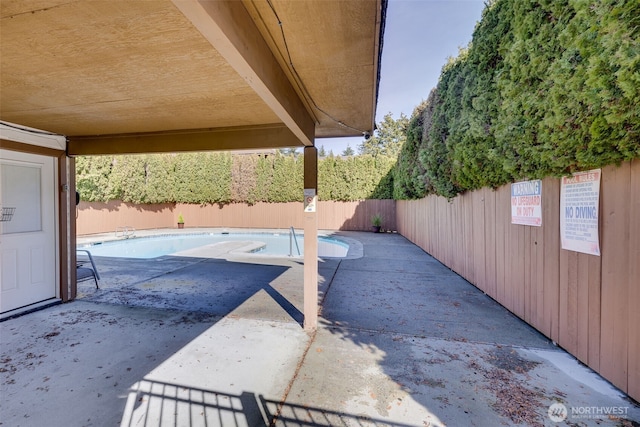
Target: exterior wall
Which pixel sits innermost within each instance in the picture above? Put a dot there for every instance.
(587, 304)
(93, 217)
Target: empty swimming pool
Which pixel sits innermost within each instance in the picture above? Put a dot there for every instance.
(166, 244)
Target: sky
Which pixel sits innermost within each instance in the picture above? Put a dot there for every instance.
(419, 37)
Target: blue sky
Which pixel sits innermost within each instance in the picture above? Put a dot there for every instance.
(420, 35)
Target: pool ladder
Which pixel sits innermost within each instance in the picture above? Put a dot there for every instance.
(125, 232)
(293, 238)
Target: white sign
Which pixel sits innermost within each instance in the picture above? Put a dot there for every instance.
(310, 199)
(526, 203)
(579, 199)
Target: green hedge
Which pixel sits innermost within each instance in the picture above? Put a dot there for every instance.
(545, 88)
(214, 177)
(186, 178)
(355, 178)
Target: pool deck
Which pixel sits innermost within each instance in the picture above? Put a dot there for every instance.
(216, 339)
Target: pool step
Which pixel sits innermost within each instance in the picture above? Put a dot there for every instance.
(216, 250)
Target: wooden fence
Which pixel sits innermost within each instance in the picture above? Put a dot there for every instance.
(93, 217)
(589, 305)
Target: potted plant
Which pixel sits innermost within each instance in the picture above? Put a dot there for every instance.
(180, 221)
(376, 223)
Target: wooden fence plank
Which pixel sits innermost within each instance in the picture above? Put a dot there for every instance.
(464, 246)
(420, 211)
(634, 283)
(537, 279)
(517, 272)
(551, 236)
(501, 246)
(434, 212)
(490, 241)
(431, 237)
(452, 242)
(510, 258)
(615, 223)
(439, 246)
(477, 235)
(461, 252)
(441, 224)
(568, 299)
(411, 219)
(582, 308)
(595, 271)
(527, 299)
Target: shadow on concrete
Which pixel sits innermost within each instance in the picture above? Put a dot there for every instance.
(156, 402)
(213, 286)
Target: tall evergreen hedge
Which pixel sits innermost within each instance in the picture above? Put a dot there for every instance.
(546, 87)
(215, 177)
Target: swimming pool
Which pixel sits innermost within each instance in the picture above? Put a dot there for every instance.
(166, 244)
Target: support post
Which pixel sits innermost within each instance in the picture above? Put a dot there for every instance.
(72, 233)
(310, 238)
(66, 227)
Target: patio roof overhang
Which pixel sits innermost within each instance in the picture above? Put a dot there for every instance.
(188, 75)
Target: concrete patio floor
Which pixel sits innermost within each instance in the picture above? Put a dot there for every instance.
(204, 339)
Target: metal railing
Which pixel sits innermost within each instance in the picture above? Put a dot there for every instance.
(125, 232)
(293, 238)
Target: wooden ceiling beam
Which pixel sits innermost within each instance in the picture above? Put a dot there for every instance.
(215, 139)
(229, 28)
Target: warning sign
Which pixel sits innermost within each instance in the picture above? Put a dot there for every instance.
(579, 200)
(526, 203)
(310, 199)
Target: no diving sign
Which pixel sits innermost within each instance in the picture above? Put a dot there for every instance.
(310, 199)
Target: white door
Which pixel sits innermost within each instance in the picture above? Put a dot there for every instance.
(28, 254)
